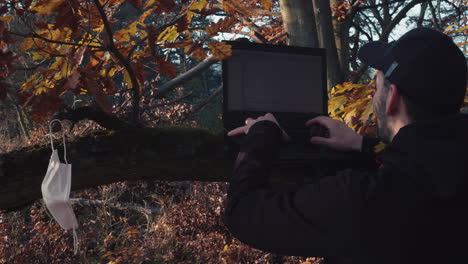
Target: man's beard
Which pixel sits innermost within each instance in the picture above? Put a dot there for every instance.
(383, 131)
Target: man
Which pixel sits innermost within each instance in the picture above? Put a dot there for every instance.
(414, 209)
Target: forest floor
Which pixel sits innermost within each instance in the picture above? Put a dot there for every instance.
(133, 222)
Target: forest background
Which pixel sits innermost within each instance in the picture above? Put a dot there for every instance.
(138, 87)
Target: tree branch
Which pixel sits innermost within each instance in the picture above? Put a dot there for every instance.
(95, 114)
(35, 35)
(422, 14)
(126, 63)
(434, 16)
(174, 83)
(398, 18)
(206, 102)
(168, 154)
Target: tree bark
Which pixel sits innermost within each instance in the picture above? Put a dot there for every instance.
(171, 154)
(299, 23)
(326, 38)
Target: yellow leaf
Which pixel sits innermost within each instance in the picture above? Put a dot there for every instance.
(367, 112)
(26, 44)
(349, 115)
(337, 103)
(144, 15)
(37, 56)
(39, 90)
(127, 79)
(46, 8)
(199, 5)
(447, 29)
(266, 4)
(456, 31)
(30, 82)
(462, 43)
(379, 147)
(149, 3)
(129, 31)
(6, 18)
(169, 34)
(220, 50)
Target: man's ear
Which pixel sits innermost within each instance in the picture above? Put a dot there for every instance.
(393, 101)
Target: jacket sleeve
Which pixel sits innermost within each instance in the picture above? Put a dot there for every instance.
(320, 219)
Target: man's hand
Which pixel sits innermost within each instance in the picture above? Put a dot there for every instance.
(249, 123)
(341, 136)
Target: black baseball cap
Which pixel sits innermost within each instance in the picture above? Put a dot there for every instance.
(426, 66)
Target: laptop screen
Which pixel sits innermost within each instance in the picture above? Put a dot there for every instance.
(275, 80)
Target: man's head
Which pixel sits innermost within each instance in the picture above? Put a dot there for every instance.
(423, 75)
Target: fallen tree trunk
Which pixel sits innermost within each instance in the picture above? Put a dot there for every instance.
(171, 154)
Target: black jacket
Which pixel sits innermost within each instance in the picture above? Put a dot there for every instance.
(414, 209)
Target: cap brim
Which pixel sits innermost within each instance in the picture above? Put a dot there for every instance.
(373, 54)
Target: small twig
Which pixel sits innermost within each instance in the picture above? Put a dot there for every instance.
(35, 35)
(116, 205)
(204, 103)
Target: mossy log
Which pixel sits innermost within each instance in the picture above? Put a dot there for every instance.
(172, 154)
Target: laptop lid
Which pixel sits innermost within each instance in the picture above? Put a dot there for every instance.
(288, 81)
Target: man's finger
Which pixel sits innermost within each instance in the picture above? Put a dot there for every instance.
(322, 120)
(236, 131)
(320, 141)
(248, 120)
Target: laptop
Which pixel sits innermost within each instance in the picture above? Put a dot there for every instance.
(288, 81)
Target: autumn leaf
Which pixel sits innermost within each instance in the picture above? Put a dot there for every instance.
(73, 81)
(26, 44)
(47, 7)
(379, 147)
(182, 24)
(168, 35)
(166, 67)
(367, 112)
(235, 7)
(199, 54)
(138, 4)
(337, 103)
(165, 6)
(222, 25)
(6, 18)
(220, 50)
(127, 79)
(266, 4)
(197, 5)
(93, 87)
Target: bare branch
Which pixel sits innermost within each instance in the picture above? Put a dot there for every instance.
(207, 101)
(195, 71)
(421, 15)
(398, 18)
(434, 16)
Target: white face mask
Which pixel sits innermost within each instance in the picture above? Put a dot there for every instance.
(56, 190)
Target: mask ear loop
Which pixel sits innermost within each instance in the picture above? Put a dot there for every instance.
(75, 242)
(63, 136)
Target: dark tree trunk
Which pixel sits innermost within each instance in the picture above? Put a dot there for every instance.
(299, 23)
